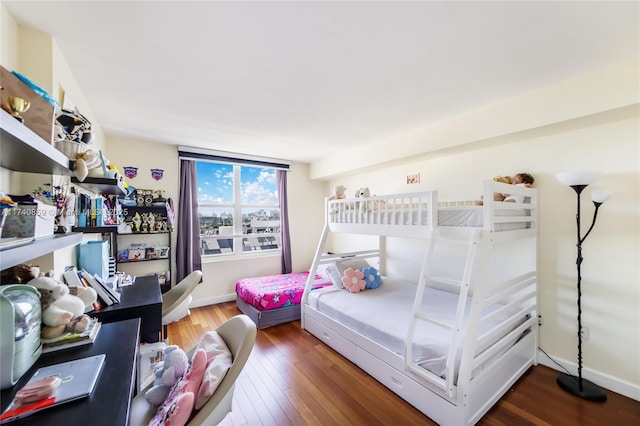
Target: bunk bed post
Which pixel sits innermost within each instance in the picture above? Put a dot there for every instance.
(382, 255)
(316, 261)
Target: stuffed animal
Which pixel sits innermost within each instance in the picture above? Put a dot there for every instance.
(503, 179)
(338, 192)
(496, 195)
(20, 274)
(85, 161)
(167, 372)
(362, 193)
(62, 311)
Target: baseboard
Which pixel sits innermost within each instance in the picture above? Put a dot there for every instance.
(213, 300)
(611, 383)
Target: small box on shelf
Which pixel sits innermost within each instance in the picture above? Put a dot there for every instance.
(34, 220)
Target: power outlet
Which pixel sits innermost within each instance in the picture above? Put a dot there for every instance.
(540, 320)
(584, 333)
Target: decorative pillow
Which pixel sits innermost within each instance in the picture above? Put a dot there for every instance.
(371, 277)
(334, 276)
(177, 408)
(196, 371)
(336, 270)
(353, 280)
(218, 363)
(175, 411)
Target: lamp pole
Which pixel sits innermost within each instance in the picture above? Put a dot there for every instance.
(578, 385)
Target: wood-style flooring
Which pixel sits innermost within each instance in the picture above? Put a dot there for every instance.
(292, 378)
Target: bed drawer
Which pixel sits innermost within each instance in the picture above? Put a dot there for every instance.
(424, 399)
(331, 338)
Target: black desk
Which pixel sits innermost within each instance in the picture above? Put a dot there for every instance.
(141, 300)
(109, 403)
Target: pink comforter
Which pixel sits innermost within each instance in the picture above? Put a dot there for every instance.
(275, 291)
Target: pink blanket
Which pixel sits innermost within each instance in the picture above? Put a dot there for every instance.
(275, 291)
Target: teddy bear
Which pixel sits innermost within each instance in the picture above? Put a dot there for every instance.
(496, 196)
(85, 161)
(167, 372)
(62, 311)
(20, 274)
(362, 193)
(338, 192)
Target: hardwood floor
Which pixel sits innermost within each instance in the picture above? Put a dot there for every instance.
(292, 378)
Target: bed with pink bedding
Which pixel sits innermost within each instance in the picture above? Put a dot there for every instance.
(274, 299)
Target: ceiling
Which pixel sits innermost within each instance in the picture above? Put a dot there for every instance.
(299, 80)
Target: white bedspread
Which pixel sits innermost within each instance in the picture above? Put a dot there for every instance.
(383, 315)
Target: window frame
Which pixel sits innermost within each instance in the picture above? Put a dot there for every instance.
(237, 207)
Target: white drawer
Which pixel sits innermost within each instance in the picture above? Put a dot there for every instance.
(331, 338)
(440, 410)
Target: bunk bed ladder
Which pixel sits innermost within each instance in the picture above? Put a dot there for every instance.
(463, 284)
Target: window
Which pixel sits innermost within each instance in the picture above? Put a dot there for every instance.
(238, 209)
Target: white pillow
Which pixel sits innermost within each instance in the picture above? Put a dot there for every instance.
(219, 361)
(336, 270)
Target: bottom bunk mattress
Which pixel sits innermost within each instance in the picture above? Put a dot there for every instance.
(274, 299)
(383, 315)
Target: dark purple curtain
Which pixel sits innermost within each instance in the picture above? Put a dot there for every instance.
(188, 256)
(284, 221)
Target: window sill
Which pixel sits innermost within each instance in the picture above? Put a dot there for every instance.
(239, 257)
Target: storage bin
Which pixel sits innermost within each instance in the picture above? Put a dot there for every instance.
(35, 220)
(93, 257)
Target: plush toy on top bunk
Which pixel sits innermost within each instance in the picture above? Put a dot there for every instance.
(521, 179)
(362, 193)
(338, 192)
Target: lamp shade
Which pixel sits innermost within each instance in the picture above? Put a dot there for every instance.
(577, 178)
(600, 195)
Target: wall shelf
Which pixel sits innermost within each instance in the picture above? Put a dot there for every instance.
(13, 256)
(24, 151)
(100, 185)
(142, 260)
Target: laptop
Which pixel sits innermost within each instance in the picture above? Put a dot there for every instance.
(77, 379)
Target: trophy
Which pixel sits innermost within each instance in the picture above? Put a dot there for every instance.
(15, 106)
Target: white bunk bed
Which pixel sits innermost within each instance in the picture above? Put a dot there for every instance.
(453, 340)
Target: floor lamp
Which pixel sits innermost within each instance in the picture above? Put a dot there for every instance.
(579, 181)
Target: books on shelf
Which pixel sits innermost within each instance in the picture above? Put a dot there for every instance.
(70, 340)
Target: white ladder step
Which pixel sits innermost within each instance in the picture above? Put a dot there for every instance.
(427, 318)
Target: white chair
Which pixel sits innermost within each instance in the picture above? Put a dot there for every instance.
(175, 302)
(239, 334)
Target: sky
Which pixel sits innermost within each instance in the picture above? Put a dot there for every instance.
(215, 184)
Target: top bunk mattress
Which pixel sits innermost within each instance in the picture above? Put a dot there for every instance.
(276, 291)
(362, 312)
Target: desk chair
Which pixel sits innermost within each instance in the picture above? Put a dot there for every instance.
(175, 302)
(239, 334)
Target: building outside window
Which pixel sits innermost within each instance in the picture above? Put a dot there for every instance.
(238, 209)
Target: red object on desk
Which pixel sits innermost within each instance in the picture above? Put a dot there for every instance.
(17, 412)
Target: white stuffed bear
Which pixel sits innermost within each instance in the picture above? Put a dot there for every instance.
(363, 193)
(338, 192)
(61, 310)
(167, 373)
